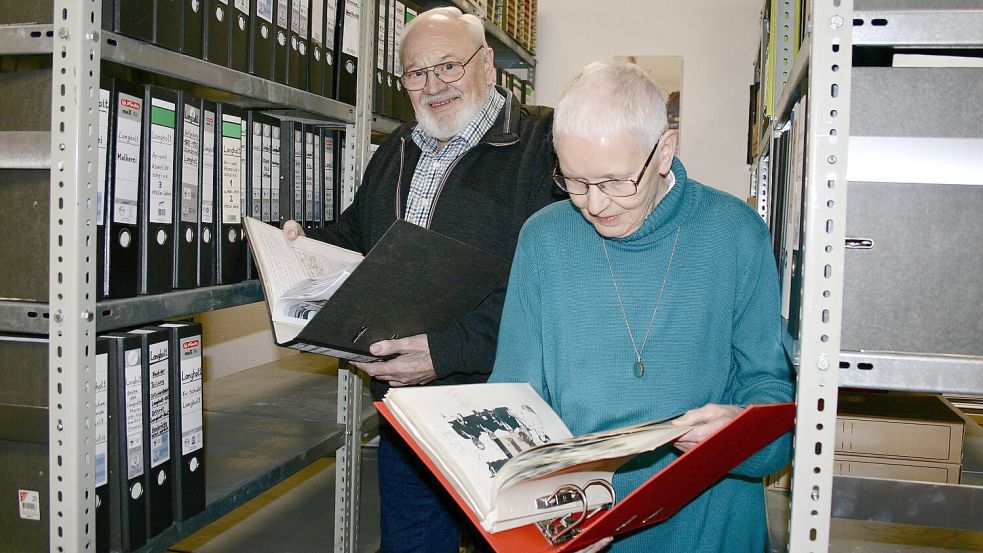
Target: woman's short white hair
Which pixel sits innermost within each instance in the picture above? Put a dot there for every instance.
(474, 26)
(610, 96)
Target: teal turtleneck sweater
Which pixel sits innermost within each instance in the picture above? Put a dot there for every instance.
(716, 339)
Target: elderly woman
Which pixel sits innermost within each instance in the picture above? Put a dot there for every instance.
(644, 296)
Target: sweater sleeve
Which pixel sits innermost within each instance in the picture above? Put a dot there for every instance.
(761, 371)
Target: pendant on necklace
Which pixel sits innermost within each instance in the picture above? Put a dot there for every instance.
(639, 369)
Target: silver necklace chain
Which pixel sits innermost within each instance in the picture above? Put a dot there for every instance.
(639, 366)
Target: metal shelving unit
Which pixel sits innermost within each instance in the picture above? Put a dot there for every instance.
(236, 472)
(823, 70)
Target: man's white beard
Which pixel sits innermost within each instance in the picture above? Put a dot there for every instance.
(446, 126)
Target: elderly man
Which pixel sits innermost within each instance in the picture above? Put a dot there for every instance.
(474, 165)
(645, 296)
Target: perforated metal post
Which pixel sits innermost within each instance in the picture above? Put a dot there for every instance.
(824, 221)
(71, 353)
(350, 386)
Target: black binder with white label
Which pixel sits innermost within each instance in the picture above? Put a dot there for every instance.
(380, 103)
(157, 456)
(281, 40)
(329, 183)
(231, 257)
(167, 24)
(187, 422)
(186, 198)
(299, 55)
(216, 43)
(107, 121)
(239, 34)
(193, 27)
(316, 62)
(349, 12)
(157, 187)
(261, 38)
(122, 201)
(276, 177)
(127, 489)
(211, 167)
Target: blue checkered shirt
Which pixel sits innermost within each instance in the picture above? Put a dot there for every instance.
(434, 163)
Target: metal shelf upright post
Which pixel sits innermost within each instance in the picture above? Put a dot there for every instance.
(72, 329)
(824, 221)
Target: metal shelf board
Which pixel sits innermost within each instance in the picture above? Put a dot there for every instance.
(25, 39)
(32, 317)
(25, 149)
(918, 23)
(385, 125)
(113, 314)
(914, 373)
(262, 425)
(137, 54)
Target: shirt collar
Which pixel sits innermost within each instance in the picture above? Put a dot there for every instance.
(471, 134)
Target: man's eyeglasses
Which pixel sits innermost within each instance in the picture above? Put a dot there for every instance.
(448, 72)
(617, 188)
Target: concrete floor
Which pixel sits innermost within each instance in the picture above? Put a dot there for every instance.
(296, 516)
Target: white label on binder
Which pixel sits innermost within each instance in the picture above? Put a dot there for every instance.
(317, 19)
(190, 162)
(192, 427)
(104, 102)
(29, 504)
(133, 407)
(275, 174)
(264, 9)
(349, 38)
(231, 169)
(162, 124)
(160, 402)
(208, 168)
(129, 112)
(281, 13)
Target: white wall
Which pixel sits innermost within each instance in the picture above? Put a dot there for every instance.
(718, 41)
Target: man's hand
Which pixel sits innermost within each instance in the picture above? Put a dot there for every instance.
(705, 421)
(412, 366)
(292, 230)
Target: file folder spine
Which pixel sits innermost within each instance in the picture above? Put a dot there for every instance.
(186, 202)
(209, 230)
(187, 422)
(167, 24)
(102, 446)
(157, 191)
(391, 57)
(158, 468)
(316, 177)
(379, 84)
(400, 99)
(106, 151)
(231, 254)
(193, 28)
(276, 178)
(281, 41)
(266, 167)
(330, 50)
(310, 195)
(328, 176)
(262, 37)
(299, 22)
(216, 41)
(298, 174)
(315, 84)
(349, 12)
(122, 240)
(127, 494)
(239, 34)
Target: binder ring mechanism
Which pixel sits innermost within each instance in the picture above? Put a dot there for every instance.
(566, 527)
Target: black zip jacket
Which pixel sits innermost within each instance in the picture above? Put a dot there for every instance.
(485, 198)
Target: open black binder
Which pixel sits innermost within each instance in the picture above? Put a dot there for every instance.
(412, 281)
